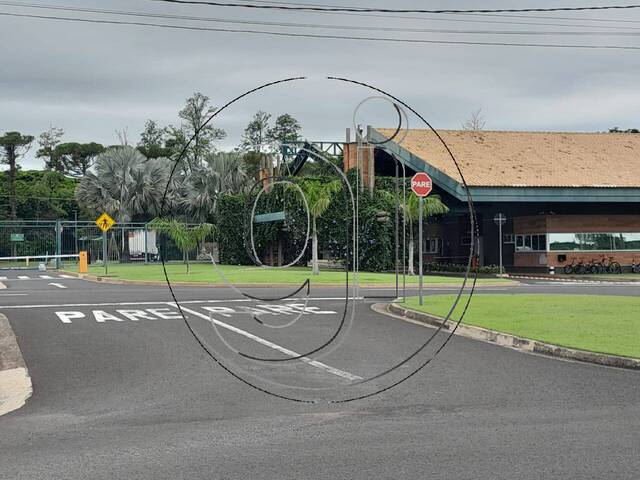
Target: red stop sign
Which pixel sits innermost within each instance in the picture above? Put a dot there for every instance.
(421, 184)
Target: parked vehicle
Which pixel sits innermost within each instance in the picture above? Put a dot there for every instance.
(139, 244)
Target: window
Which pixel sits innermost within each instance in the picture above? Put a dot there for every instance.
(508, 238)
(433, 245)
(594, 241)
(531, 243)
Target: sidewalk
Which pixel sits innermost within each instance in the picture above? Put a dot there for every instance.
(15, 383)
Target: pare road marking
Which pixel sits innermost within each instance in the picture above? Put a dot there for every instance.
(134, 315)
(121, 315)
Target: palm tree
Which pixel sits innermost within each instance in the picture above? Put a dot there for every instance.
(125, 184)
(432, 206)
(185, 237)
(221, 174)
(318, 195)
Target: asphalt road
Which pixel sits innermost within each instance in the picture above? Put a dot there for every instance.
(122, 390)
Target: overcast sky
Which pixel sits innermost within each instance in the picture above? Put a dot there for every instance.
(92, 79)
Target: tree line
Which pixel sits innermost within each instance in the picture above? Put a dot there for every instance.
(68, 162)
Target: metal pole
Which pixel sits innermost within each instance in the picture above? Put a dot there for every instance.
(104, 251)
(75, 228)
(58, 242)
(500, 244)
(420, 208)
(397, 231)
(146, 256)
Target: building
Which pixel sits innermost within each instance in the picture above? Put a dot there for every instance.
(567, 196)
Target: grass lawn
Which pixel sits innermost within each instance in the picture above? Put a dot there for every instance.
(598, 323)
(251, 275)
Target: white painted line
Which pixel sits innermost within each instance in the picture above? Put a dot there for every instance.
(68, 276)
(59, 285)
(161, 302)
(274, 346)
(3, 278)
(23, 277)
(47, 277)
(13, 294)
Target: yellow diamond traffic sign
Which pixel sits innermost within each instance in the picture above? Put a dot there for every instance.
(105, 222)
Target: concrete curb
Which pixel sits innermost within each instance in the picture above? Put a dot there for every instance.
(559, 278)
(119, 281)
(2, 286)
(511, 341)
(15, 383)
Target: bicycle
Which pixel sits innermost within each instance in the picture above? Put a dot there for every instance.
(595, 267)
(635, 267)
(611, 267)
(573, 267)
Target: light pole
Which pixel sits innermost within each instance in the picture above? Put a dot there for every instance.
(500, 219)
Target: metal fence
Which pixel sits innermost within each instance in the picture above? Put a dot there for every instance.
(130, 242)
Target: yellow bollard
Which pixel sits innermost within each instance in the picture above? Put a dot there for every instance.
(83, 267)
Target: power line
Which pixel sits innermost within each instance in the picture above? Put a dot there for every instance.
(319, 26)
(546, 17)
(320, 36)
(309, 7)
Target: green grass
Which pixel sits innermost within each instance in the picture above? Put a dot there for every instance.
(597, 323)
(258, 275)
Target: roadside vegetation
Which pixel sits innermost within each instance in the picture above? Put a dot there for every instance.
(597, 323)
(205, 272)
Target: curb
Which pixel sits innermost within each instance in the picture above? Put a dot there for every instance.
(2, 286)
(119, 281)
(577, 280)
(511, 341)
(15, 383)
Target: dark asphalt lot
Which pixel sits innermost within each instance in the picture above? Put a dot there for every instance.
(135, 397)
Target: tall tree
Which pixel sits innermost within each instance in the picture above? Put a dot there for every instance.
(13, 146)
(286, 130)
(318, 194)
(194, 116)
(221, 174)
(432, 206)
(153, 140)
(74, 158)
(126, 185)
(48, 141)
(256, 133)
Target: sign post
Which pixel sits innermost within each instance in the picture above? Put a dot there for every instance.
(500, 219)
(421, 185)
(104, 223)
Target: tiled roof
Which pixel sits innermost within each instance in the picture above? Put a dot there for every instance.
(530, 159)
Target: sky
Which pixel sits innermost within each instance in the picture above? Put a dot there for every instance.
(93, 79)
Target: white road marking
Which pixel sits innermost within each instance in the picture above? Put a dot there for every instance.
(67, 317)
(161, 302)
(46, 277)
(3, 278)
(23, 277)
(59, 285)
(13, 294)
(67, 276)
(274, 346)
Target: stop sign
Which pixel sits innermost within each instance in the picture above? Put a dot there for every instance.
(421, 184)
